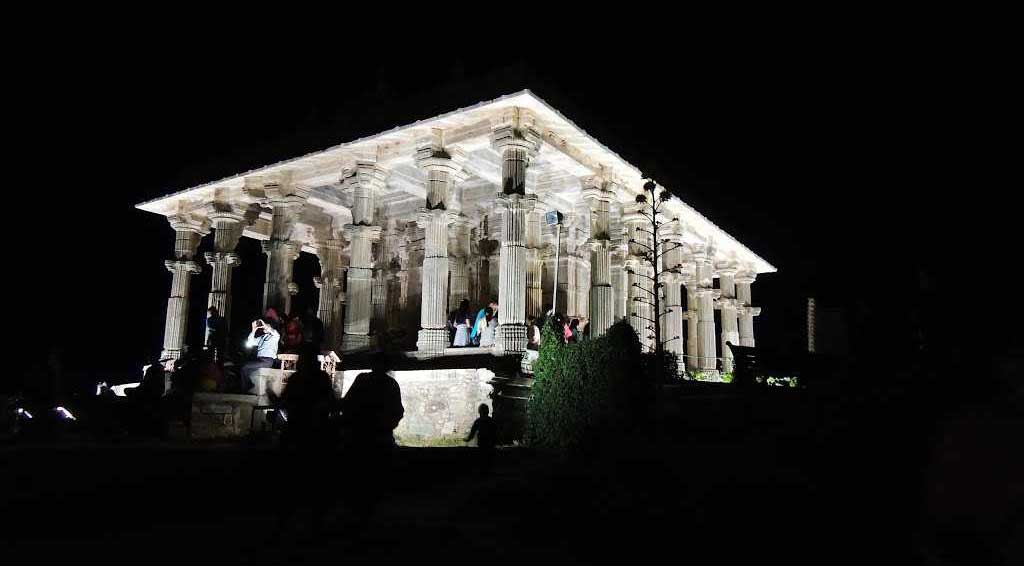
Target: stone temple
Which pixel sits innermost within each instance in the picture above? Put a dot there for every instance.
(409, 222)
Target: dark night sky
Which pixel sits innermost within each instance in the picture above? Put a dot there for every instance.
(820, 160)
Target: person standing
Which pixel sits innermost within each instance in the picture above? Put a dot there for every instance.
(265, 340)
(486, 432)
(461, 321)
(216, 335)
(370, 412)
(312, 331)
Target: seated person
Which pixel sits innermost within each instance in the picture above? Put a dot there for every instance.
(265, 340)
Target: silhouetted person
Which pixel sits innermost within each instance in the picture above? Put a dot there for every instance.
(216, 333)
(485, 430)
(145, 409)
(307, 400)
(312, 330)
(370, 411)
(188, 370)
(373, 407)
(291, 339)
(308, 440)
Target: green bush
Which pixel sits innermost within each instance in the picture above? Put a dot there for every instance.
(583, 391)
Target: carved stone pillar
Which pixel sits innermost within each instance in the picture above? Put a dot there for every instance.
(728, 308)
(443, 171)
(187, 233)
(512, 273)
(672, 280)
(365, 180)
(534, 265)
(458, 262)
(568, 285)
(692, 323)
(620, 287)
(281, 250)
(706, 295)
(641, 281)
(227, 226)
(379, 299)
(433, 334)
(747, 312)
(636, 301)
(602, 299)
(332, 273)
(517, 141)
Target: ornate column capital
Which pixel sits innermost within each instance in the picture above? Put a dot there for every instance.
(364, 173)
(286, 247)
(510, 200)
(189, 266)
(726, 270)
(230, 259)
(426, 216)
(365, 179)
(516, 128)
(188, 222)
(745, 277)
(451, 160)
(353, 231)
(748, 310)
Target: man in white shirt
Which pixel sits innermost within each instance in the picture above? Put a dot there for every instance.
(266, 351)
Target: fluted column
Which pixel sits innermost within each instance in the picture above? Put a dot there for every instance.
(672, 280)
(583, 284)
(188, 231)
(512, 274)
(379, 299)
(517, 141)
(706, 294)
(641, 282)
(619, 285)
(572, 294)
(728, 307)
(674, 316)
(534, 264)
(443, 171)
(458, 256)
(433, 334)
(227, 226)
(747, 312)
(365, 180)
(281, 250)
(636, 302)
(330, 282)
(692, 324)
(602, 296)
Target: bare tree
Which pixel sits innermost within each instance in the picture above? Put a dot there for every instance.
(653, 203)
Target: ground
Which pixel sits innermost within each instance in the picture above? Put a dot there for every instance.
(806, 481)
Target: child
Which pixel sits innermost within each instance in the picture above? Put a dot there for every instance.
(486, 431)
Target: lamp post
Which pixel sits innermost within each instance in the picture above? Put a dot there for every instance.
(554, 218)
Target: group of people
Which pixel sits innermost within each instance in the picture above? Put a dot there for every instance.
(273, 334)
(467, 328)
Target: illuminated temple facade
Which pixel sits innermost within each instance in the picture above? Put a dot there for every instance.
(408, 222)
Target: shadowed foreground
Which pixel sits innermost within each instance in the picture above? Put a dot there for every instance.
(811, 481)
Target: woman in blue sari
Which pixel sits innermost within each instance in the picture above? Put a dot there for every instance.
(478, 326)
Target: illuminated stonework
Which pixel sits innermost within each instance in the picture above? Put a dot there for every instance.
(408, 222)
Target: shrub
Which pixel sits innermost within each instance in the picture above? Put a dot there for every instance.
(583, 391)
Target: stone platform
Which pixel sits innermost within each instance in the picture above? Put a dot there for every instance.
(440, 404)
